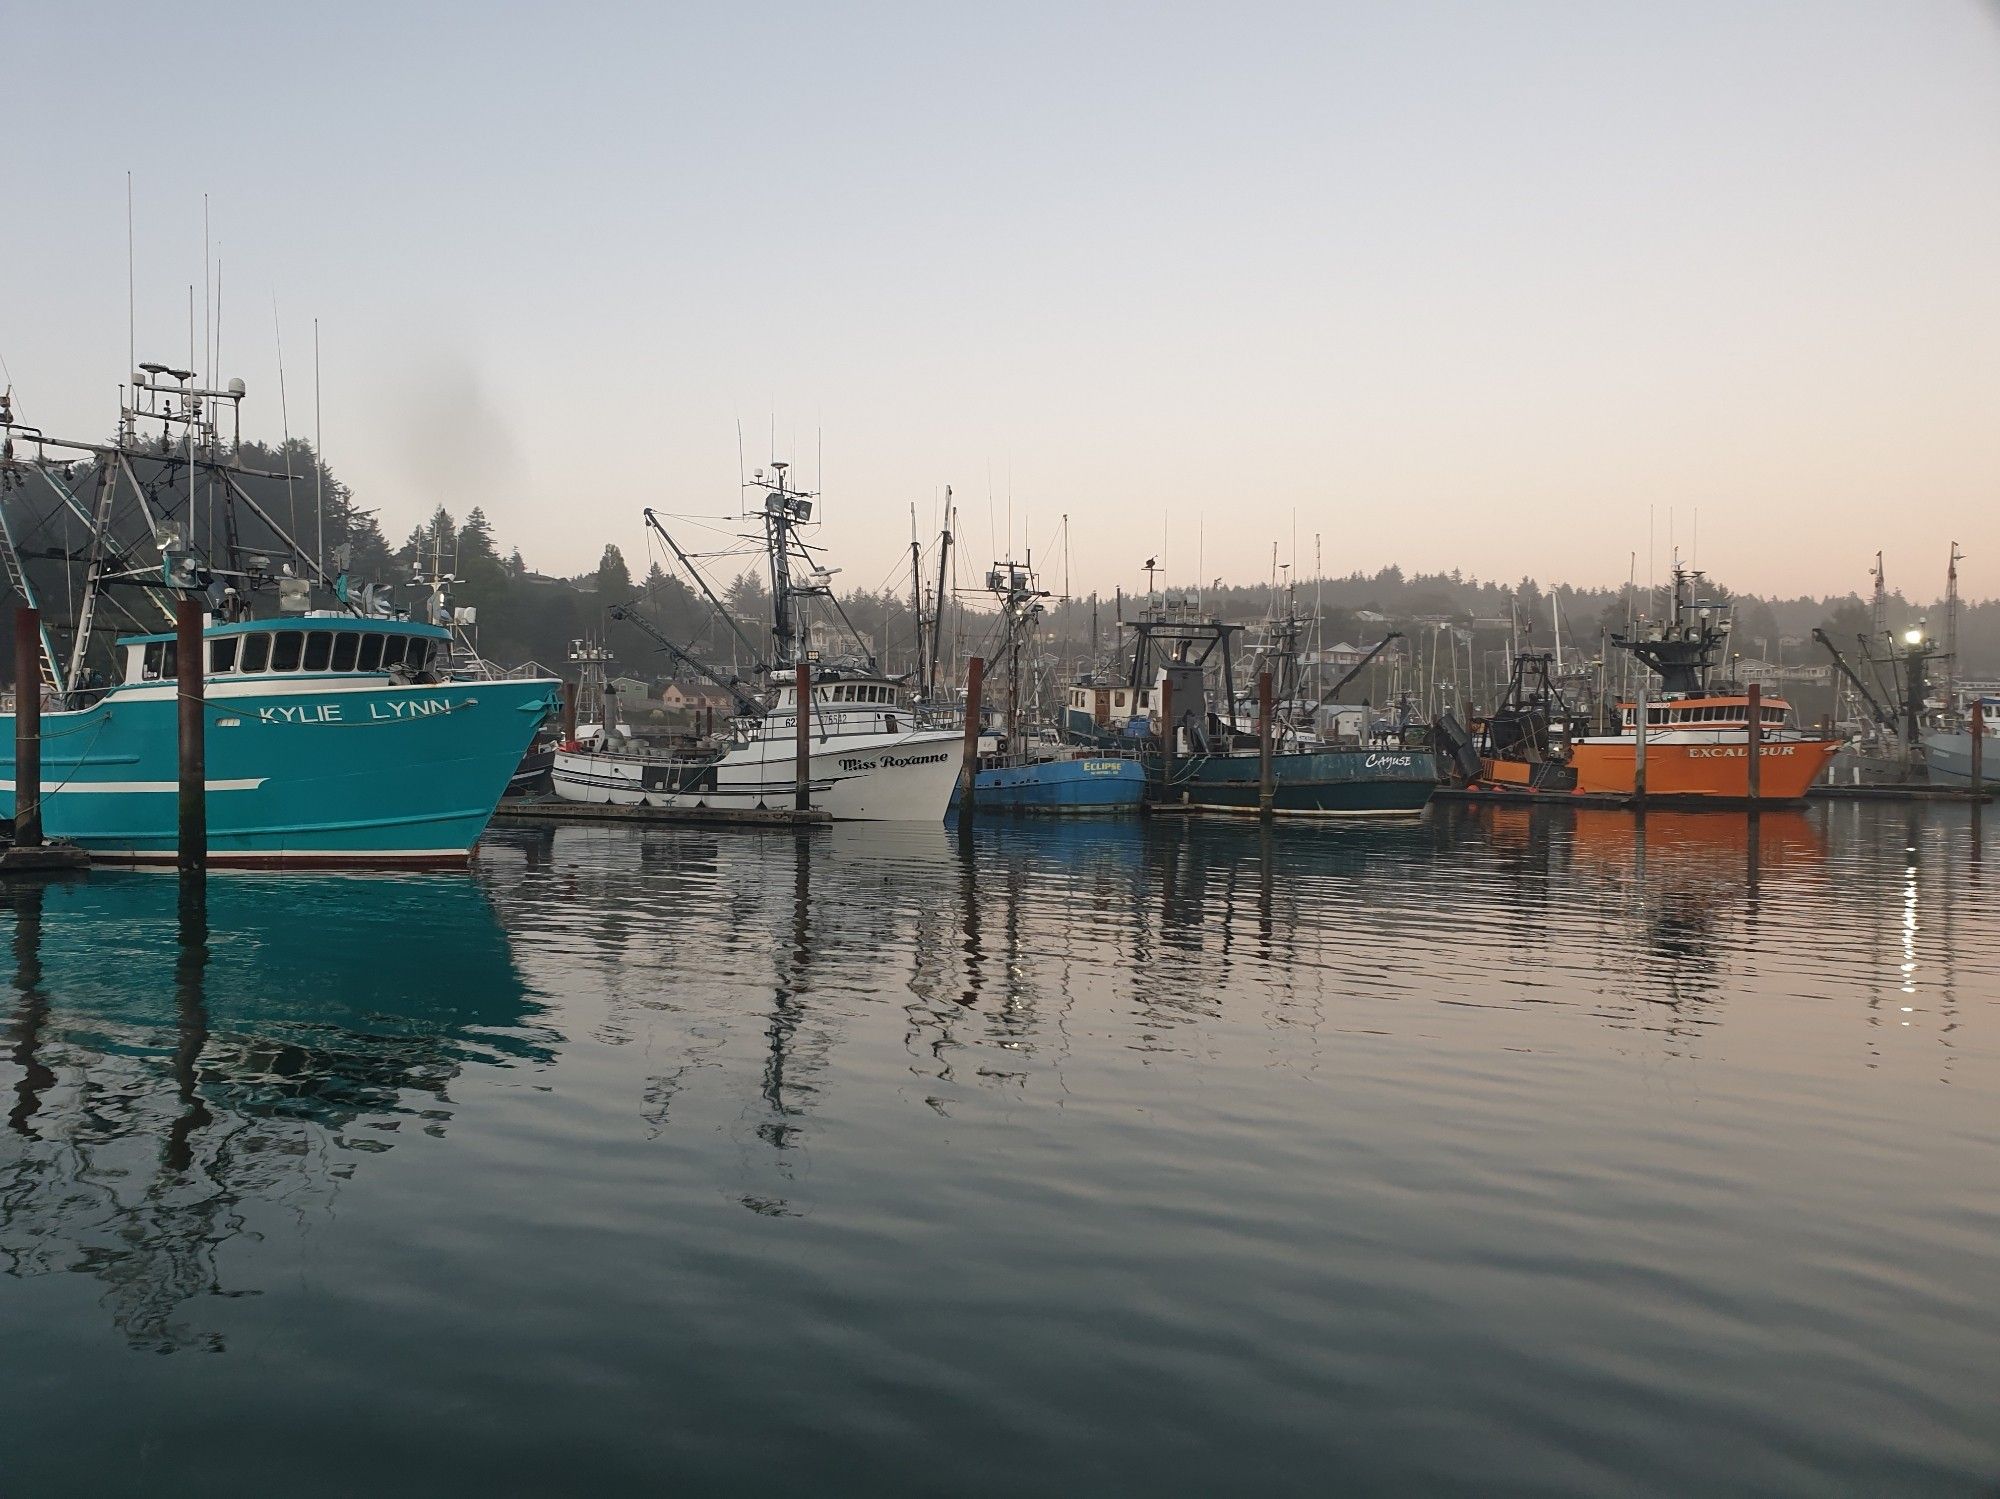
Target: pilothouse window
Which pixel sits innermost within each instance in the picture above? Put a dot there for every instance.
(285, 648)
(222, 654)
(370, 658)
(345, 646)
(256, 651)
(319, 647)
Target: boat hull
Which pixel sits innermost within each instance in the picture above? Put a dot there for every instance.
(909, 778)
(320, 772)
(1949, 759)
(1089, 786)
(1319, 783)
(1716, 771)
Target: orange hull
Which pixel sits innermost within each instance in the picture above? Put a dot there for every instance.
(1721, 771)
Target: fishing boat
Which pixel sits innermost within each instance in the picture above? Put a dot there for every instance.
(1030, 768)
(871, 757)
(1199, 762)
(1697, 738)
(334, 735)
(1525, 743)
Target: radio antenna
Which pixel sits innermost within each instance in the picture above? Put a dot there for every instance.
(131, 289)
(319, 456)
(284, 415)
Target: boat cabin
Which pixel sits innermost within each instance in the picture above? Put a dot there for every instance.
(307, 645)
(1704, 713)
(1107, 706)
(846, 705)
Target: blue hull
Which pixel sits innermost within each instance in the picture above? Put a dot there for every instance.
(305, 771)
(1063, 787)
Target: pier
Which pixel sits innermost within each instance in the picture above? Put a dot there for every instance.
(552, 812)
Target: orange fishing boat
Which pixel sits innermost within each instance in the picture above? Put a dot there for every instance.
(1698, 741)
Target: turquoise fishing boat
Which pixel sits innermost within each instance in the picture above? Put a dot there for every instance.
(337, 728)
(330, 740)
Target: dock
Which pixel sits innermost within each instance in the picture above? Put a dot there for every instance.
(1480, 796)
(42, 858)
(553, 812)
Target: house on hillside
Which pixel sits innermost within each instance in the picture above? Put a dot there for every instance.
(696, 697)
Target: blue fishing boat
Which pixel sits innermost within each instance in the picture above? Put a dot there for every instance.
(1029, 768)
(336, 731)
(1087, 785)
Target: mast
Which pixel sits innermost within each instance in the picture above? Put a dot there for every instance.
(917, 591)
(937, 619)
(1951, 628)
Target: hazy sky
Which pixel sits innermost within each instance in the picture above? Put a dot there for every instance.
(1466, 285)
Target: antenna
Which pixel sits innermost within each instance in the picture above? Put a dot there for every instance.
(131, 289)
(319, 455)
(284, 415)
(207, 324)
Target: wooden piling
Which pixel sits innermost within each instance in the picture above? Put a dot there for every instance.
(1756, 743)
(1167, 734)
(569, 713)
(1642, 710)
(802, 770)
(1265, 788)
(189, 667)
(1978, 745)
(27, 728)
(968, 773)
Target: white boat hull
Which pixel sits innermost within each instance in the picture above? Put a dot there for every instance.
(859, 778)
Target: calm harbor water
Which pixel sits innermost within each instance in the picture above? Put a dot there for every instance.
(1507, 1152)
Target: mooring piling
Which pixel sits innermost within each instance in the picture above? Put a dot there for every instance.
(1755, 747)
(188, 680)
(968, 774)
(802, 771)
(27, 728)
(1265, 788)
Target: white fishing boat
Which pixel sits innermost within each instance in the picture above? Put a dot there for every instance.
(870, 755)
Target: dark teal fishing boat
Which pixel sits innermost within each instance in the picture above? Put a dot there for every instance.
(1198, 762)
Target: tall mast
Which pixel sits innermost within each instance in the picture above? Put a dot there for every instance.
(1951, 627)
(937, 618)
(917, 591)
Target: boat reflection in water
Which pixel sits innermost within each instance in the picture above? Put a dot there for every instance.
(189, 1052)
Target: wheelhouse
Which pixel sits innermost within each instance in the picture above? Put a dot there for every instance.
(332, 645)
(1706, 713)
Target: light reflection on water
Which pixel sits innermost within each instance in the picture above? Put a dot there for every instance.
(1502, 1150)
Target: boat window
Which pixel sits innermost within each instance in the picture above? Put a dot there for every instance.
(417, 655)
(370, 658)
(256, 651)
(889, 723)
(285, 648)
(345, 645)
(319, 647)
(222, 654)
(393, 647)
(159, 662)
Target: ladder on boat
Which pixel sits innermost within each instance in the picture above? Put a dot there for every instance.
(17, 576)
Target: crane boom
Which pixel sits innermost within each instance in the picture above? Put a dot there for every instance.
(1332, 694)
(708, 593)
(734, 686)
(1882, 715)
